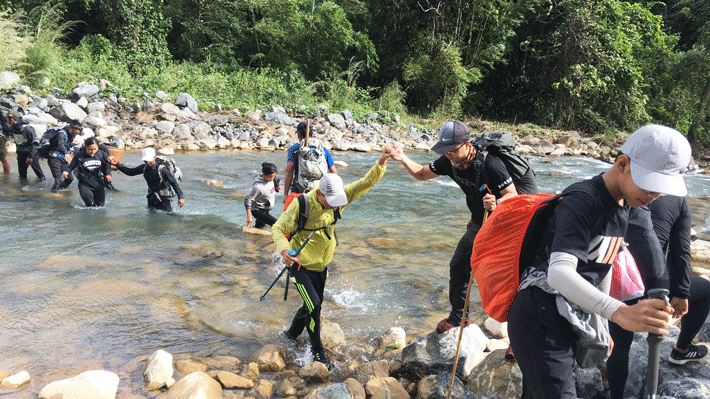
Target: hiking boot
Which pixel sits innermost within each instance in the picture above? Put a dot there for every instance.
(320, 356)
(694, 353)
(446, 325)
(288, 336)
(509, 355)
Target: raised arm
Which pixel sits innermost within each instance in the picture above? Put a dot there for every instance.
(416, 170)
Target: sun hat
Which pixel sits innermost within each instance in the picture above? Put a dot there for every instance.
(148, 154)
(659, 155)
(331, 186)
(451, 134)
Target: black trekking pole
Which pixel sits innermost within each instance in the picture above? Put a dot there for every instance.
(292, 253)
(654, 348)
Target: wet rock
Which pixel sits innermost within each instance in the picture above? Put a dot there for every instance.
(97, 384)
(285, 389)
(262, 389)
(233, 381)
(250, 371)
(385, 388)
(195, 385)
(314, 372)
(494, 374)
(374, 369)
(15, 381)
(186, 367)
(356, 388)
(229, 363)
(159, 371)
(393, 338)
(268, 358)
(331, 334)
(333, 391)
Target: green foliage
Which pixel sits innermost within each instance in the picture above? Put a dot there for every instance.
(391, 99)
(11, 41)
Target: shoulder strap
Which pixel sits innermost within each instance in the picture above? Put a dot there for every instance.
(302, 212)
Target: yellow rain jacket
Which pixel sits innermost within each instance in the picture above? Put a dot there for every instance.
(318, 252)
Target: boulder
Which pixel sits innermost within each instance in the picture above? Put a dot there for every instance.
(278, 117)
(85, 91)
(96, 384)
(374, 369)
(195, 385)
(496, 328)
(393, 338)
(169, 108)
(165, 126)
(543, 147)
(334, 391)
(337, 121)
(494, 374)
(315, 372)
(262, 389)
(15, 381)
(82, 102)
(185, 100)
(436, 386)
(385, 388)
(182, 132)
(251, 370)
(159, 371)
(186, 367)
(331, 334)
(68, 111)
(207, 143)
(700, 251)
(268, 358)
(233, 381)
(285, 389)
(356, 388)
(8, 79)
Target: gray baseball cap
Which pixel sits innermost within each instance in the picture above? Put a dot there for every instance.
(451, 134)
(659, 156)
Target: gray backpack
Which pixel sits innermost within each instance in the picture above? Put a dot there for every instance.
(312, 164)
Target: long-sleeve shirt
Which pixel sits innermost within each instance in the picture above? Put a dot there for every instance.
(92, 169)
(318, 252)
(261, 196)
(25, 138)
(152, 178)
(672, 223)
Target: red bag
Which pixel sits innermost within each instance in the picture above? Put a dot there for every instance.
(626, 282)
(505, 246)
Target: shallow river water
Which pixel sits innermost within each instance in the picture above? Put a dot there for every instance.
(96, 288)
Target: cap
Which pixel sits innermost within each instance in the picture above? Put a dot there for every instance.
(75, 124)
(659, 155)
(451, 134)
(148, 154)
(331, 186)
(14, 115)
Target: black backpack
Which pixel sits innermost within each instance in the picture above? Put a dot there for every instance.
(303, 217)
(502, 145)
(45, 143)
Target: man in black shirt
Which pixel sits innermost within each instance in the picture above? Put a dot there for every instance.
(26, 141)
(458, 161)
(159, 180)
(60, 154)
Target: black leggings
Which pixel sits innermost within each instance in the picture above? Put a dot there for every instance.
(57, 166)
(22, 165)
(618, 363)
(92, 196)
(460, 273)
(310, 285)
(262, 217)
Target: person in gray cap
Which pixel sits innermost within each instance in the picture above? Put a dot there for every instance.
(485, 184)
(26, 141)
(563, 303)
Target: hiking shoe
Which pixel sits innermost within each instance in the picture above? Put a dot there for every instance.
(445, 325)
(320, 356)
(509, 355)
(288, 336)
(694, 353)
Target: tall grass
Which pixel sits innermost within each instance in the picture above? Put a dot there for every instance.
(11, 43)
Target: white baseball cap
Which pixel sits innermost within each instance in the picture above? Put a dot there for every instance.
(331, 186)
(659, 156)
(148, 154)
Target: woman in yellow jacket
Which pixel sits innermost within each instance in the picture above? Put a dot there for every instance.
(310, 269)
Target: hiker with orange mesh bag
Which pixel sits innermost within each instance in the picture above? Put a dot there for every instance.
(461, 161)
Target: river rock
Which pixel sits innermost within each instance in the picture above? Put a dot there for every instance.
(167, 151)
(222, 142)
(186, 367)
(285, 389)
(262, 389)
(186, 101)
(331, 334)
(4, 374)
(250, 371)
(15, 381)
(700, 251)
(314, 372)
(496, 328)
(95, 122)
(207, 143)
(85, 90)
(434, 352)
(567, 140)
(182, 132)
(195, 385)
(385, 388)
(159, 371)
(333, 391)
(356, 388)
(436, 386)
(8, 79)
(83, 102)
(393, 338)
(268, 358)
(361, 147)
(233, 381)
(278, 117)
(337, 121)
(165, 126)
(494, 374)
(169, 108)
(202, 130)
(543, 147)
(68, 111)
(96, 384)
(373, 369)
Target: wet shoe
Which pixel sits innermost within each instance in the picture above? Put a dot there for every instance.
(509, 355)
(445, 325)
(320, 356)
(694, 353)
(287, 335)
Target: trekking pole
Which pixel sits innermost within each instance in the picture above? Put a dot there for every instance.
(654, 348)
(481, 189)
(291, 253)
(461, 326)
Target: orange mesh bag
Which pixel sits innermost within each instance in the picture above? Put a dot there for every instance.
(505, 246)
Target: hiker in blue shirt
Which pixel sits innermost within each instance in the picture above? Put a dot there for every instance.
(292, 179)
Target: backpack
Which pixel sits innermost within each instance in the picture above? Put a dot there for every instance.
(303, 218)
(502, 145)
(169, 163)
(312, 164)
(505, 246)
(45, 142)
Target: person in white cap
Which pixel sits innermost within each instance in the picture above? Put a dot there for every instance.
(310, 268)
(570, 275)
(159, 178)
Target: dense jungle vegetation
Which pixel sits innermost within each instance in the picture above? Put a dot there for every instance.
(596, 66)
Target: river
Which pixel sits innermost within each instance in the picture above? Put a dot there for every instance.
(96, 288)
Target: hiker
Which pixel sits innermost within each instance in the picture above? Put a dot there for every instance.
(689, 294)
(262, 196)
(93, 170)
(4, 132)
(159, 179)
(296, 179)
(59, 156)
(310, 268)
(77, 146)
(26, 141)
(459, 162)
(562, 299)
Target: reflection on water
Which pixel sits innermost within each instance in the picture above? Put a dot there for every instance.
(98, 287)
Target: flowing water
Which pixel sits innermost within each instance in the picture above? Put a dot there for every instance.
(96, 288)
